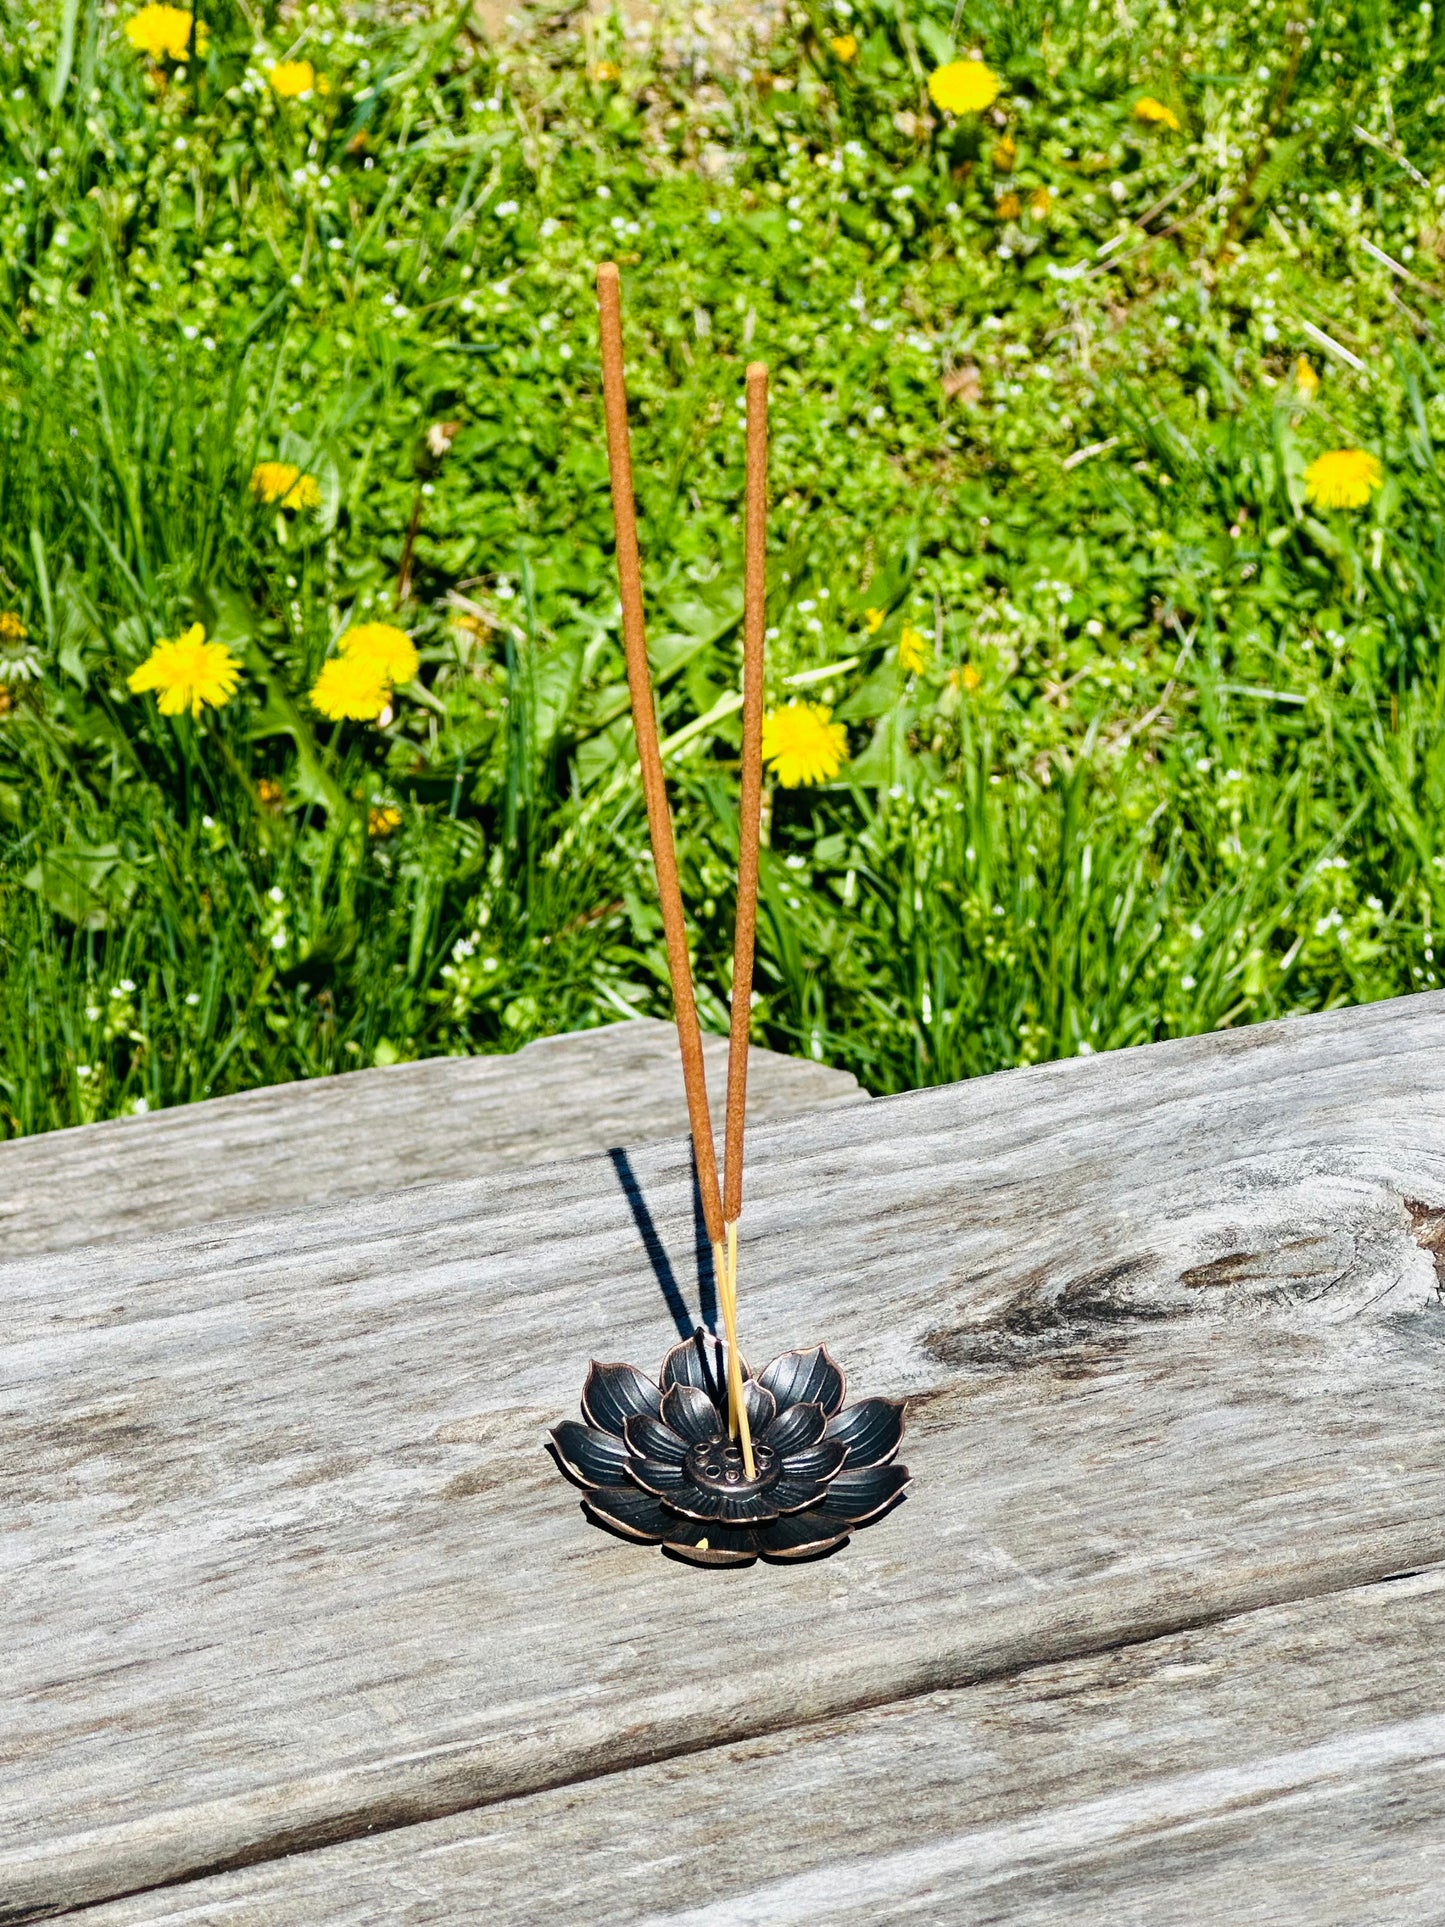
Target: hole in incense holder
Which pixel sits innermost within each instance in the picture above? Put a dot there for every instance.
(718, 1466)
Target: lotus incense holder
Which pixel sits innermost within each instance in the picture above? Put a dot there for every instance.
(657, 1464)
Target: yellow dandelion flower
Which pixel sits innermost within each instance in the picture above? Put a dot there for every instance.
(189, 673)
(382, 819)
(1345, 478)
(1306, 381)
(1155, 113)
(873, 620)
(1040, 203)
(1008, 207)
(268, 794)
(970, 677)
(912, 650)
(12, 629)
(351, 689)
(845, 46)
(385, 649)
(165, 33)
(964, 87)
(1005, 153)
(292, 79)
(804, 744)
(606, 71)
(283, 482)
(272, 480)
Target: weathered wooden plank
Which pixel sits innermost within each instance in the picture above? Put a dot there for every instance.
(1286, 1765)
(284, 1560)
(367, 1132)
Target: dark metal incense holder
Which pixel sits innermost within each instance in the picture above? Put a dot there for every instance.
(657, 1464)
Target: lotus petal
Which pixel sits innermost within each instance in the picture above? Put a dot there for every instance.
(859, 1493)
(871, 1430)
(805, 1378)
(591, 1457)
(656, 1475)
(799, 1535)
(636, 1514)
(794, 1428)
(818, 1461)
(705, 1542)
(762, 1407)
(614, 1392)
(649, 1438)
(701, 1361)
(691, 1414)
(794, 1491)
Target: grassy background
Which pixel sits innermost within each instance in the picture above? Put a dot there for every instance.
(1174, 761)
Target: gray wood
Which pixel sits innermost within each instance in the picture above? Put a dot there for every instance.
(367, 1132)
(285, 1562)
(1288, 1765)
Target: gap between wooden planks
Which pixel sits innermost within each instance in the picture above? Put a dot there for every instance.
(1286, 1764)
(284, 1561)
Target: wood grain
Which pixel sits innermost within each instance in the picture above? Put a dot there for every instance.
(285, 1562)
(367, 1132)
(1288, 1765)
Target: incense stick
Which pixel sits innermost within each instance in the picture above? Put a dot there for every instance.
(659, 822)
(751, 789)
(750, 800)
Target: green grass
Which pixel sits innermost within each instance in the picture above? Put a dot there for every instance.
(1174, 761)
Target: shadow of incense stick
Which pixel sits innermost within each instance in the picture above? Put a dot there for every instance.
(656, 1251)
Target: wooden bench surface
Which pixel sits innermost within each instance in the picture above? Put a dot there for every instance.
(366, 1132)
(285, 1565)
(1280, 1766)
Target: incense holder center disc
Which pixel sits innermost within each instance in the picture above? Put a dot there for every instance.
(718, 1466)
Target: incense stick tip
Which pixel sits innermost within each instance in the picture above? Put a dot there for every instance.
(607, 271)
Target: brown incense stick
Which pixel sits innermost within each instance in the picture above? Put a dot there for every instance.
(659, 818)
(751, 797)
(749, 810)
